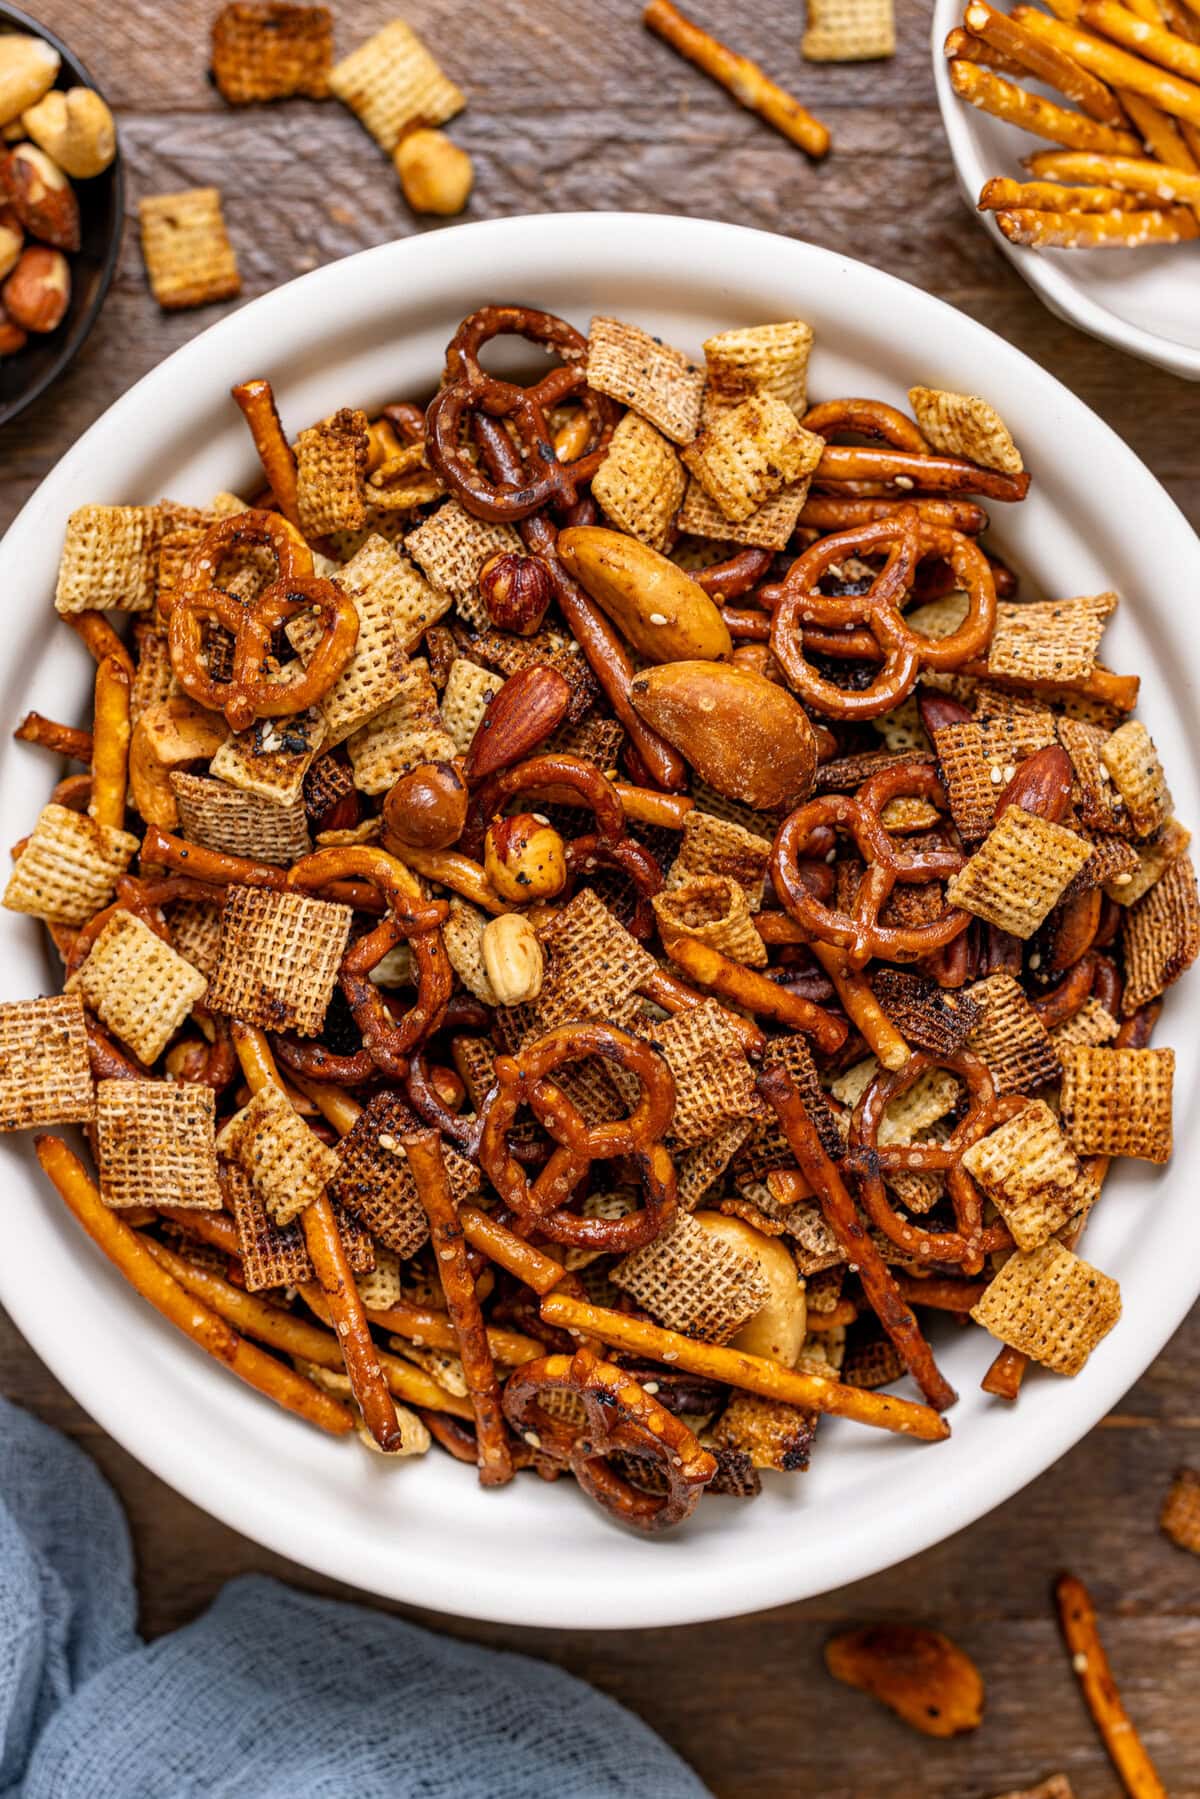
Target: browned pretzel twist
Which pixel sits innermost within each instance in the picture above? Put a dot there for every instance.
(620, 1416)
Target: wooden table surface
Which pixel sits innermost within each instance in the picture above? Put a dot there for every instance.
(576, 107)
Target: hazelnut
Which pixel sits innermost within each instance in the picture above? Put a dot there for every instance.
(76, 129)
(12, 338)
(516, 591)
(28, 66)
(524, 858)
(41, 196)
(427, 807)
(38, 291)
(435, 174)
(512, 958)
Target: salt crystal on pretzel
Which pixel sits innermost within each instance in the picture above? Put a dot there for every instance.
(227, 818)
(768, 527)
(772, 1433)
(45, 1074)
(278, 959)
(272, 757)
(155, 1144)
(656, 381)
(285, 1162)
(1010, 1038)
(1050, 1305)
(138, 985)
(1097, 801)
(462, 934)
(196, 933)
(1031, 1174)
(1161, 935)
(450, 546)
(709, 845)
(693, 1281)
(1179, 1518)
(1049, 640)
(271, 52)
(1137, 774)
(967, 777)
(1117, 1102)
(331, 466)
(468, 693)
(964, 425)
(189, 258)
(109, 560)
(407, 732)
(1153, 860)
(935, 1018)
(758, 359)
(747, 453)
(373, 1181)
(1092, 1026)
(714, 909)
(1018, 873)
(393, 83)
(641, 482)
(849, 31)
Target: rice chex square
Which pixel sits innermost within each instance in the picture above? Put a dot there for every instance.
(392, 82)
(285, 1162)
(331, 466)
(747, 453)
(1018, 873)
(759, 359)
(109, 560)
(965, 425)
(1031, 1174)
(1051, 1305)
(693, 1281)
(1161, 935)
(138, 986)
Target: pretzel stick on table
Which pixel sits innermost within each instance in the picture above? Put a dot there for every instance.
(110, 745)
(744, 79)
(1030, 112)
(134, 1258)
(256, 402)
(1036, 57)
(1114, 65)
(1127, 1752)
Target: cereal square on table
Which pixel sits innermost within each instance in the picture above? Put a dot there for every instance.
(392, 82)
(1019, 872)
(849, 31)
(109, 560)
(156, 1144)
(1031, 1174)
(1180, 1514)
(1118, 1102)
(138, 986)
(189, 258)
(964, 425)
(641, 482)
(262, 50)
(650, 377)
(285, 1162)
(1051, 1305)
(45, 1073)
(278, 959)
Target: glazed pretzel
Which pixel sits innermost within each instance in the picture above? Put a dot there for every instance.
(584, 855)
(541, 774)
(620, 1416)
(904, 539)
(250, 693)
(866, 418)
(524, 1079)
(470, 389)
(860, 933)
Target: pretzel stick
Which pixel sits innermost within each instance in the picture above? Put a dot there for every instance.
(333, 1103)
(646, 807)
(1119, 691)
(746, 987)
(1153, 41)
(1160, 133)
(751, 1373)
(216, 1228)
(135, 1260)
(100, 637)
(674, 996)
(788, 1187)
(1002, 193)
(64, 740)
(110, 749)
(510, 1252)
(1156, 181)
(450, 869)
(1046, 61)
(1126, 1751)
(829, 512)
(1029, 112)
(966, 47)
(861, 1006)
(433, 1330)
(843, 1313)
(256, 403)
(1116, 66)
(939, 1293)
(942, 474)
(744, 79)
(1098, 230)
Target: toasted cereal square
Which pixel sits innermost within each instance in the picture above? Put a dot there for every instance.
(1051, 1305)
(849, 31)
(1010, 1037)
(968, 777)
(772, 1433)
(716, 846)
(1048, 640)
(69, 866)
(1131, 759)
(1180, 1514)
(1096, 800)
(965, 425)
(381, 1288)
(392, 82)
(593, 971)
(405, 733)
(1117, 1102)
(641, 482)
(189, 258)
(331, 465)
(654, 380)
(109, 560)
(278, 959)
(327, 781)
(380, 580)
(1019, 872)
(241, 824)
(508, 653)
(45, 1074)
(450, 547)
(760, 359)
(714, 1085)
(872, 1362)
(139, 986)
(693, 1281)
(1056, 1787)
(153, 676)
(1030, 1173)
(1091, 1026)
(748, 452)
(698, 1170)
(374, 1182)
(1112, 859)
(273, 1255)
(462, 934)
(1153, 860)
(937, 1019)
(272, 757)
(196, 933)
(1161, 935)
(285, 1162)
(468, 693)
(714, 909)
(156, 1144)
(373, 676)
(262, 50)
(768, 527)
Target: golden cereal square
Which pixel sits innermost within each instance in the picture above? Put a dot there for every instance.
(331, 466)
(1137, 774)
(468, 693)
(156, 1144)
(1095, 798)
(1161, 935)
(1031, 1174)
(1092, 1026)
(1051, 1305)
(392, 83)
(278, 959)
(640, 485)
(263, 50)
(760, 359)
(1117, 1102)
(714, 1085)
(767, 527)
(406, 732)
(693, 1281)
(285, 1162)
(714, 909)
(654, 380)
(1153, 860)
(45, 1074)
(749, 451)
(109, 560)
(373, 676)
(1018, 873)
(138, 986)
(238, 823)
(189, 258)
(849, 31)
(272, 757)
(1049, 640)
(380, 580)
(772, 1433)
(1180, 1514)
(1010, 1037)
(717, 846)
(965, 425)
(450, 546)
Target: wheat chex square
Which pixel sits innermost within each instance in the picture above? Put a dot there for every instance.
(693, 1281)
(278, 959)
(262, 50)
(374, 1182)
(238, 823)
(109, 560)
(45, 1073)
(156, 1144)
(650, 377)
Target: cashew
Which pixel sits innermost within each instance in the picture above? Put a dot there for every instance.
(28, 65)
(778, 1329)
(75, 128)
(435, 174)
(166, 736)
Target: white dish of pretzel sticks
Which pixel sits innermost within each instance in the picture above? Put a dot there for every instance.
(422, 1527)
(1111, 149)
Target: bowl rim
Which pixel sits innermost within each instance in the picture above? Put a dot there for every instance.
(81, 330)
(1049, 280)
(663, 243)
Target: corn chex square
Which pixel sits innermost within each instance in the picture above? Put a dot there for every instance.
(1091, 1026)
(1050, 1305)
(267, 51)
(138, 986)
(1031, 1174)
(748, 452)
(373, 1180)
(109, 560)
(715, 910)
(238, 823)
(1161, 935)
(392, 82)
(372, 677)
(1153, 860)
(156, 1144)
(285, 1162)
(1049, 640)
(965, 425)
(760, 359)
(693, 1281)
(849, 31)
(640, 485)
(1010, 1037)
(1137, 774)
(406, 732)
(381, 581)
(650, 377)
(1117, 1102)
(189, 258)
(1180, 1514)
(331, 466)
(45, 1074)
(272, 757)
(767, 527)
(1019, 872)
(717, 846)
(468, 693)
(450, 547)
(772, 1433)
(278, 959)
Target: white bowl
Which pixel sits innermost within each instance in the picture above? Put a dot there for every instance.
(1143, 301)
(373, 328)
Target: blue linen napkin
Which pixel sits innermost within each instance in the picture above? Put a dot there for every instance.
(272, 1694)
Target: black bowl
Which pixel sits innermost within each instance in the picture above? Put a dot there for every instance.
(30, 371)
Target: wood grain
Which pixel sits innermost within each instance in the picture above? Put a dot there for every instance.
(575, 107)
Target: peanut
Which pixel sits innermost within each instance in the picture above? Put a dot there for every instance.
(513, 959)
(76, 129)
(524, 858)
(28, 66)
(435, 174)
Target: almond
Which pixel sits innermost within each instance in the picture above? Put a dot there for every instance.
(41, 196)
(1042, 785)
(660, 609)
(924, 1677)
(530, 705)
(746, 736)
